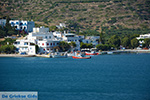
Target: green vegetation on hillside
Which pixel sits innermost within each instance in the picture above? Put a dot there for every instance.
(86, 17)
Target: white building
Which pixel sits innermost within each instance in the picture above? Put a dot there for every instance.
(20, 25)
(91, 39)
(142, 37)
(81, 37)
(2, 22)
(58, 35)
(68, 37)
(25, 46)
(41, 37)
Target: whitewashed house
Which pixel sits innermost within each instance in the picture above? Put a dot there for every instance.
(41, 37)
(68, 37)
(142, 37)
(25, 46)
(20, 25)
(91, 39)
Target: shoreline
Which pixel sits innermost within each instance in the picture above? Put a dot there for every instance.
(133, 51)
(114, 51)
(16, 55)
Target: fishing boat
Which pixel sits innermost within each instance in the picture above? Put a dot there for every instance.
(79, 56)
(91, 53)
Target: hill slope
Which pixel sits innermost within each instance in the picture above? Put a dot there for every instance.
(90, 14)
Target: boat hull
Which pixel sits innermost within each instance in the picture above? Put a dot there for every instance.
(91, 53)
(81, 57)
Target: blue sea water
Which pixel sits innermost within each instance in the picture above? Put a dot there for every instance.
(103, 77)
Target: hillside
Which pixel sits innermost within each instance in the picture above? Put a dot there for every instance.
(89, 14)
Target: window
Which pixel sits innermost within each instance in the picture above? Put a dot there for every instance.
(12, 23)
(21, 23)
(46, 37)
(17, 22)
(47, 43)
(25, 43)
(51, 43)
(49, 36)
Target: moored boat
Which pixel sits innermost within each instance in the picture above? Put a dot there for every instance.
(59, 55)
(91, 53)
(80, 57)
(109, 53)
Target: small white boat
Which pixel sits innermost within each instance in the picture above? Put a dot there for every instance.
(70, 54)
(59, 55)
(109, 53)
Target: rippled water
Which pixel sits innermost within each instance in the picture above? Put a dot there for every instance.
(103, 77)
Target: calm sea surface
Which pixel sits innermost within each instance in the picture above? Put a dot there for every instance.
(104, 77)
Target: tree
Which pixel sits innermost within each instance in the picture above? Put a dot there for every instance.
(134, 43)
(101, 39)
(7, 29)
(115, 40)
(73, 44)
(7, 22)
(2, 33)
(11, 41)
(53, 28)
(86, 45)
(64, 46)
(125, 42)
(7, 49)
(11, 33)
(147, 42)
(99, 46)
(83, 45)
(103, 47)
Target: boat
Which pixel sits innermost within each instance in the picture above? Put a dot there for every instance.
(59, 55)
(79, 56)
(109, 53)
(70, 54)
(91, 53)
